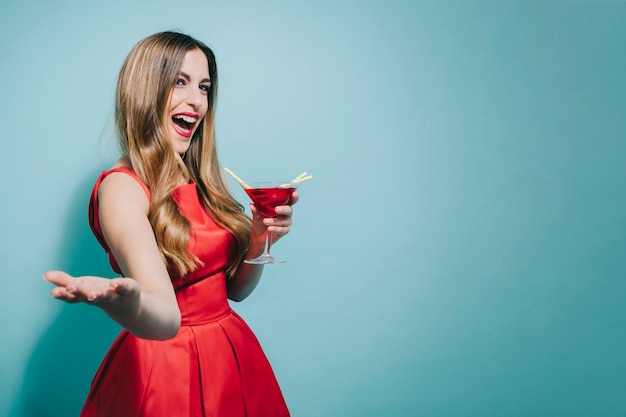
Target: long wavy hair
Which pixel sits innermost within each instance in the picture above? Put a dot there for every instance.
(145, 83)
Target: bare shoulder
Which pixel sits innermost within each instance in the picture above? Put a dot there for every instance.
(122, 190)
(123, 211)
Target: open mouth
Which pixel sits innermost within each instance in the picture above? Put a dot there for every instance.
(184, 123)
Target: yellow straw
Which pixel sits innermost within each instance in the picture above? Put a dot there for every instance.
(299, 177)
(239, 180)
(302, 179)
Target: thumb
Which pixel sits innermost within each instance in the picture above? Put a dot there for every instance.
(256, 214)
(253, 210)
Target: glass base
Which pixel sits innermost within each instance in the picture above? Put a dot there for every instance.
(266, 258)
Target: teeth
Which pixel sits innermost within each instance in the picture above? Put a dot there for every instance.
(187, 119)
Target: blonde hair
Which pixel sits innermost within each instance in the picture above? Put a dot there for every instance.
(145, 82)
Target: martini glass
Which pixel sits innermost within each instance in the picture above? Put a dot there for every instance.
(266, 196)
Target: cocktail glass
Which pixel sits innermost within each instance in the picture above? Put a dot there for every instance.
(266, 196)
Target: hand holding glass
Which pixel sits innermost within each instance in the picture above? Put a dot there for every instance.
(266, 196)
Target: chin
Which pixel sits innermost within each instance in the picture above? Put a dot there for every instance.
(181, 146)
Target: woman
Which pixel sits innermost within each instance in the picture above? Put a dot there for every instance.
(173, 231)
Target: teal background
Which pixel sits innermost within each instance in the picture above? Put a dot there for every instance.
(460, 251)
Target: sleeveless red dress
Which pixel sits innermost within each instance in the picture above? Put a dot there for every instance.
(213, 367)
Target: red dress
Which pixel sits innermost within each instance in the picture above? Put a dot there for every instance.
(213, 367)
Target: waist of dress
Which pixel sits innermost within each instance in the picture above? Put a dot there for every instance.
(209, 317)
(181, 284)
(203, 299)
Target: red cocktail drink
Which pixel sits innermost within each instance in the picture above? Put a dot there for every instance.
(267, 199)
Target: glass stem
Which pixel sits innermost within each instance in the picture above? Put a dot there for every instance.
(268, 237)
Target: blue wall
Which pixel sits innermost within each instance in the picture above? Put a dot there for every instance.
(460, 250)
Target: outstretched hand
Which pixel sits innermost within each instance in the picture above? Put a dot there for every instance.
(93, 290)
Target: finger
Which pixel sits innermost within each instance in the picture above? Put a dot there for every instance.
(278, 225)
(61, 294)
(284, 210)
(284, 217)
(84, 289)
(72, 286)
(81, 292)
(278, 222)
(59, 278)
(293, 199)
(279, 230)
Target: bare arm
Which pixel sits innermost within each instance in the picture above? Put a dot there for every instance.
(249, 275)
(146, 303)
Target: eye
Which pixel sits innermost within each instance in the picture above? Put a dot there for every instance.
(180, 81)
(205, 87)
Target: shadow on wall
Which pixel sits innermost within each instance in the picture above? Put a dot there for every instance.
(58, 375)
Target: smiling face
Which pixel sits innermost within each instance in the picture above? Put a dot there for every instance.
(189, 100)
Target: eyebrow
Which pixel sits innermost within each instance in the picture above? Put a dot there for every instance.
(185, 75)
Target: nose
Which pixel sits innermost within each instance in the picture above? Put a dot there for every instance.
(195, 98)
